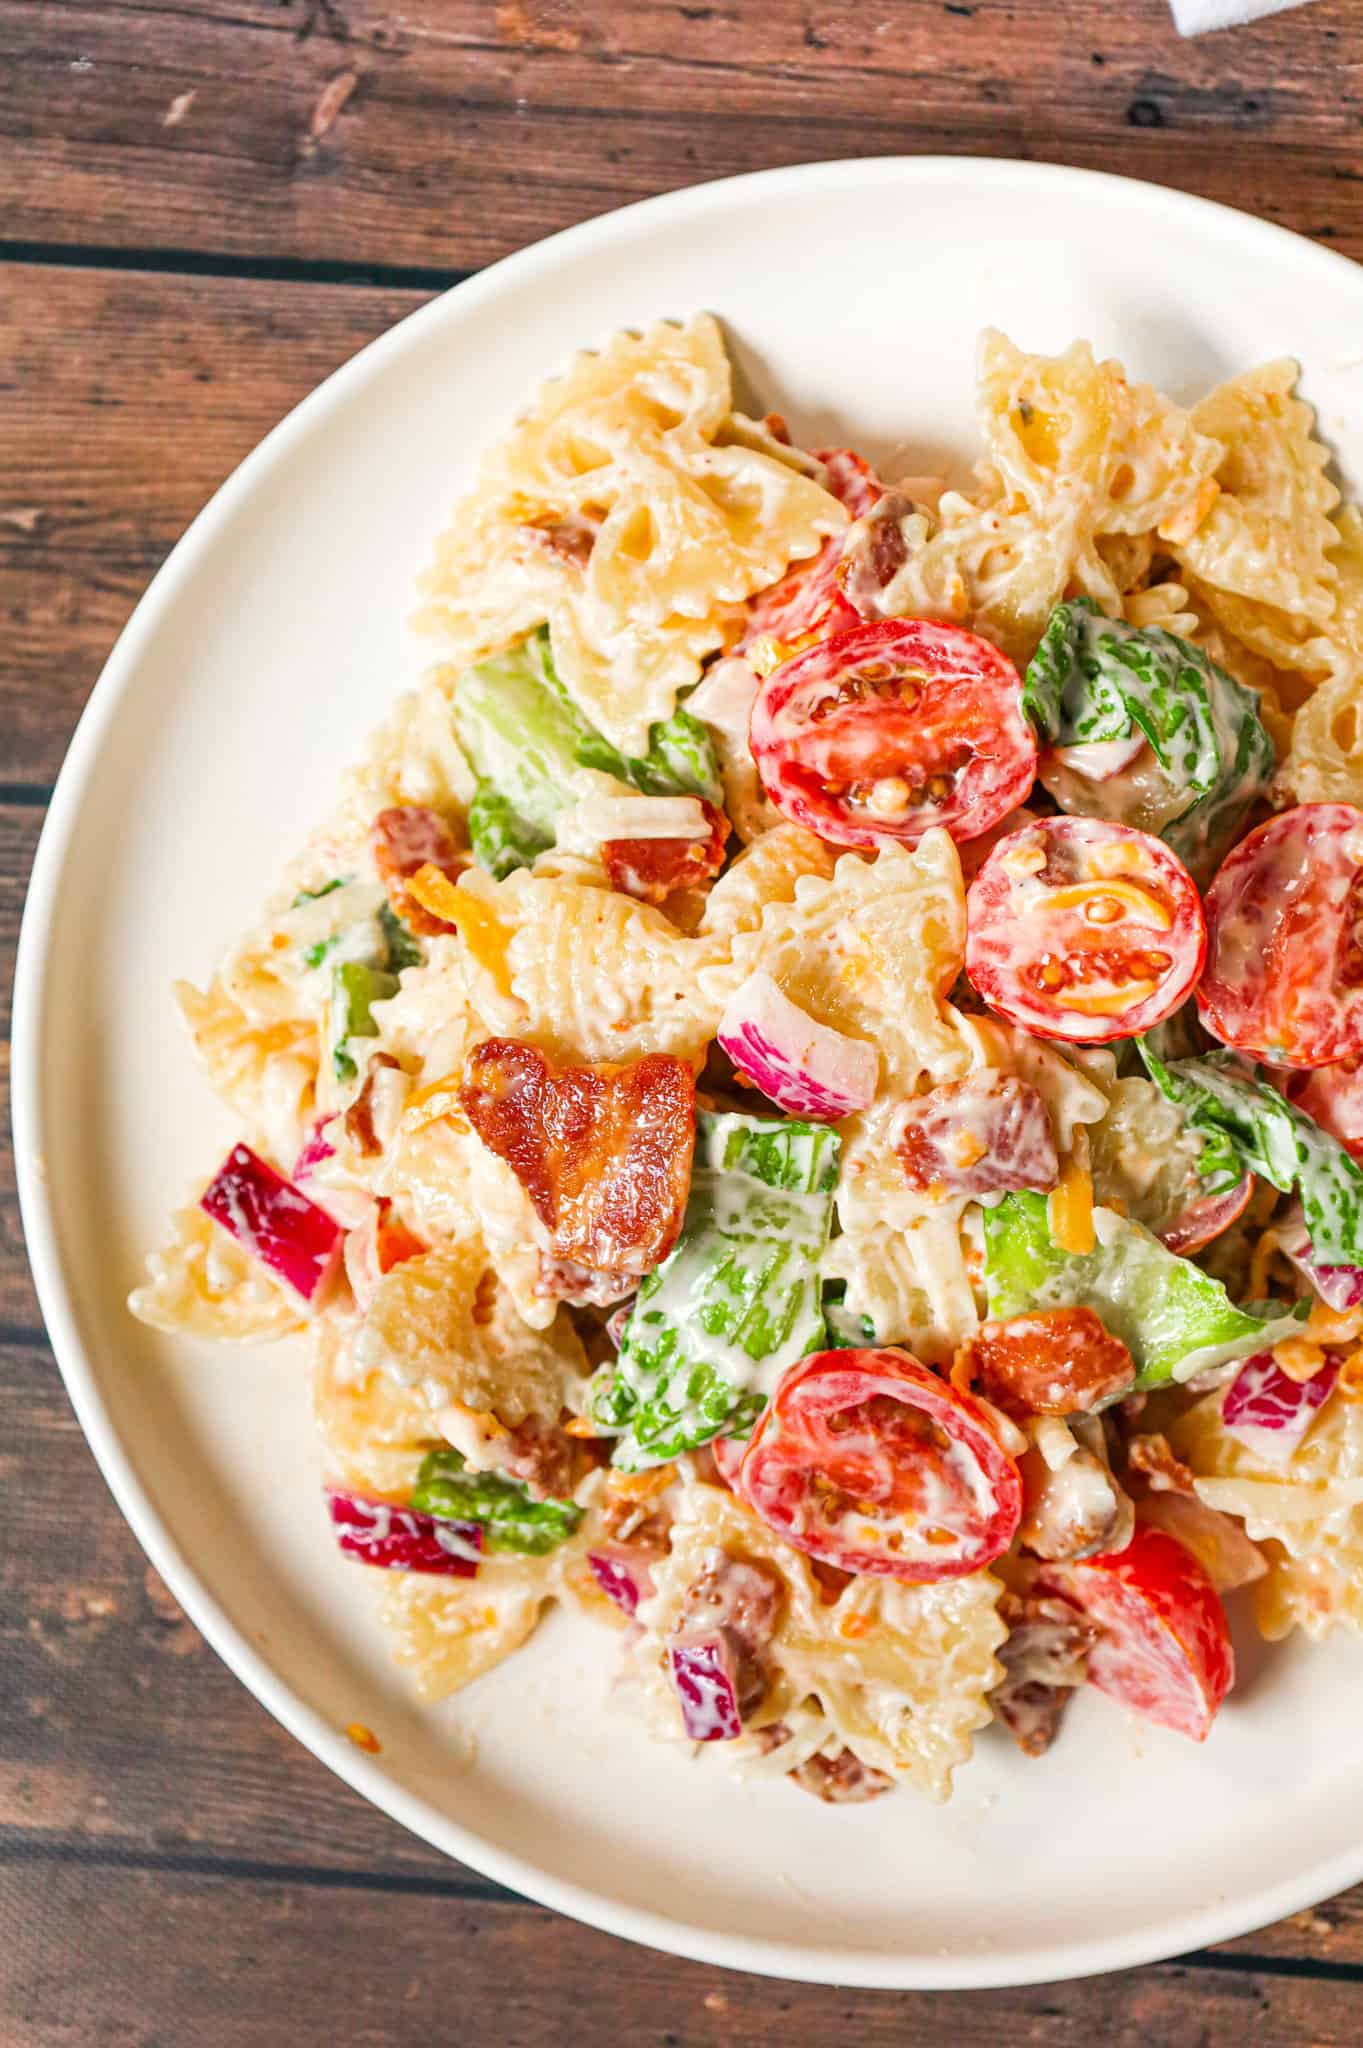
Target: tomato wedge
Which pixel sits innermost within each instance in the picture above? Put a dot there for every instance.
(1083, 930)
(880, 732)
(1333, 1097)
(1284, 979)
(808, 599)
(868, 1461)
(1165, 1650)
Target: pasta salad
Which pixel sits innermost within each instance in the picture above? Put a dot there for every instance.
(809, 1095)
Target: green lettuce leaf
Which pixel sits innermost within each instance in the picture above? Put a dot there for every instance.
(1097, 679)
(735, 1302)
(510, 1519)
(525, 738)
(1245, 1119)
(1174, 1319)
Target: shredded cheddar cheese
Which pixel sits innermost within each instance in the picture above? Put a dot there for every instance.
(1297, 1358)
(1070, 1209)
(479, 927)
(429, 1105)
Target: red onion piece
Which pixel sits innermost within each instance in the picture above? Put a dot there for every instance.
(1271, 1413)
(622, 1574)
(1339, 1287)
(805, 1067)
(706, 1685)
(317, 1149)
(401, 1539)
(270, 1218)
(1205, 1218)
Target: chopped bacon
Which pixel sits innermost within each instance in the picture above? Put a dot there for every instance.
(359, 1117)
(1076, 1511)
(985, 1135)
(874, 552)
(404, 839)
(654, 869)
(569, 540)
(775, 424)
(741, 1600)
(1152, 1456)
(541, 1455)
(841, 1780)
(1043, 1658)
(1058, 1361)
(584, 1286)
(603, 1152)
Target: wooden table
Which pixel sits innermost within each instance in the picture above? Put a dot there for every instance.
(206, 209)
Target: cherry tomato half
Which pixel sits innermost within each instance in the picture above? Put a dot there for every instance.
(1333, 1097)
(1284, 979)
(897, 725)
(808, 599)
(868, 1461)
(1083, 930)
(1165, 1650)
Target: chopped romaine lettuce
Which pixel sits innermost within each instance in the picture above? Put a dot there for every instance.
(736, 1301)
(316, 895)
(847, 1331)
(500, 838)
(1248, 1124)
(526, 738)
(509, 1518)
(355, 986)
(1174, 1319)
(1095, 679)
(403, 950)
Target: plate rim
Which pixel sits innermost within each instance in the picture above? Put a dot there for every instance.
(870, 1969)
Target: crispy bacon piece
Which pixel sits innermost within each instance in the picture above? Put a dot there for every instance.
(603, 1152)
(541, 1455)
(741, 1599)
(841, 1780)
(584, 1286)
(1152, 1456)
(569, 540)
(985, 1135)
(1043, 1657)
(404, 839)
(359, 1117)
(1058, 1361)
(1075, 1511)
(654, 869)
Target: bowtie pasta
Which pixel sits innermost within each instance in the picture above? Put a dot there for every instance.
(808, 1098)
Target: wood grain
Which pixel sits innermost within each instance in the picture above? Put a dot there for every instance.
(452, 131)
(241, 1964)
(173, 1867)
(129, 398)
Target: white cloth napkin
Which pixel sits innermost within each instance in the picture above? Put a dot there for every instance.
(1193, 17)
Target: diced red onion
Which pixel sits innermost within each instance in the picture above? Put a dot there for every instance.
(1339, 1287)
(706, 1685)
(273, 1220)
(317, 1148)
(401, 1539)
(805, 1067)
(1270, 1413)
(622, 1574)
(1205, 1218)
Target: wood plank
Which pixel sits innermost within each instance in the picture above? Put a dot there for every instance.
(455, 130)
(92, 493)
(163, 1957)
(19, 828)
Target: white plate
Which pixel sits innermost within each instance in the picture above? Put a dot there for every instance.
(267, 646)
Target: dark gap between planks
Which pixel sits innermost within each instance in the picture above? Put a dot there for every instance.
(199, 263)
